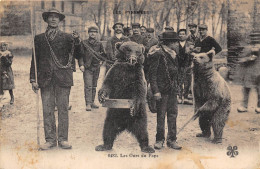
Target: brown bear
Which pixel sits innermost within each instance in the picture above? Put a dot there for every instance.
(212, 96)
(125, 80)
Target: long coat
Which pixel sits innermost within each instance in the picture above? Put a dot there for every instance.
(7, 76)
(46, 68)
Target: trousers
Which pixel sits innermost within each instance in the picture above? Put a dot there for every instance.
(49, 94)
(167, 104)
(90, 84)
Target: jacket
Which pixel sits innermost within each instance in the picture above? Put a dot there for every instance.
(47, 70)
(7, 77)
(207, 44)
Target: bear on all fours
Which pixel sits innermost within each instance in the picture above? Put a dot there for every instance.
(125, 80)
(212, 96)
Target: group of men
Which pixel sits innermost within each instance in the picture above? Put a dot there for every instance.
(168, 62)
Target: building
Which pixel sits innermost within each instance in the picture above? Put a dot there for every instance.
(71, 9)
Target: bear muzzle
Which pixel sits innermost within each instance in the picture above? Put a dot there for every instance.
(132, 59)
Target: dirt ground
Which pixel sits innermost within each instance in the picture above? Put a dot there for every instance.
(19, 147)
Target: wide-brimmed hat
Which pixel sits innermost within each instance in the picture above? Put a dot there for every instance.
(118, 23)
(171, 36)
(45, 15)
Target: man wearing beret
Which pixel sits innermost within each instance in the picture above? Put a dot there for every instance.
(89, 64)
(205, 42)
(54, 52)
(137, 37)
(192, 37)
(118, 37)
(163, 79)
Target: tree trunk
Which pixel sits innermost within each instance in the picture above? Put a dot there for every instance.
(105, 20)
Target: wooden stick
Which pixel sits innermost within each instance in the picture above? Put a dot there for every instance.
(191, 119)
(36, 78)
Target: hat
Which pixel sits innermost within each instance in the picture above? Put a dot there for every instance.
(182, 30)
(143, 26)
(118, 23)
(136, 25)
(203, 26)
(169, 36)
(192, 25)
(93, 29)
(169, 28)
(45, 15)
(150, 30)
(3, 43)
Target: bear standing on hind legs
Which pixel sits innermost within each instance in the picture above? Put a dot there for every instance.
(125, 80)
(212, 96)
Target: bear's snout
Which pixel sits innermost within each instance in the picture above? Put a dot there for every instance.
(132, 59)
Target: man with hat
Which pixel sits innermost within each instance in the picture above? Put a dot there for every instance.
(192, 37)
(137, 37)
(205, 42)
(90, 64)
(163, 79)
(143, 31)
(54, 52)
(118, 37)
(168, 29)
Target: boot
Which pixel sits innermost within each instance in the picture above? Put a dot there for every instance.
(88, 107)
(64, 145)
(47, 146)
(173, 145)
(12, 100)
(158, 145)
(94, 106)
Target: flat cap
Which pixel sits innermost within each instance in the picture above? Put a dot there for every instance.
(136, 25)
(169, 28)
(192, 25)
(203, 26)
(150, 30)
(118, 23)
(93, 29)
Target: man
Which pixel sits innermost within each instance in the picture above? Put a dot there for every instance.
(110, 48)
(89, 64)
(184, 60)
(54, 54)
(143, 31)
(137, 37)
(163, 79)
(205, 42)
(168, 29)
(192, 37)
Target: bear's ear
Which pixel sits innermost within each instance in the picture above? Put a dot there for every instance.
(118, 44)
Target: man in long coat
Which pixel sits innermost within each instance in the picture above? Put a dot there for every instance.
(54, 52)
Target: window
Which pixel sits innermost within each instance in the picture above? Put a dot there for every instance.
(72, 8)
(62, 6)
(53, 4)
(42, 5)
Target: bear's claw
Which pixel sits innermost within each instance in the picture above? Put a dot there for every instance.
(103, 148)
(148, 149)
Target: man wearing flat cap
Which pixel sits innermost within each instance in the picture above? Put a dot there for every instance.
(137, 37)
(163, 80)
(118, 37)
(205, 42)
(54, 52)
(168, 29)
(89, 64)
(192, 37)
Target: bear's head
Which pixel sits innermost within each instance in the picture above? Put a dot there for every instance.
(203, 59)
(130, 52)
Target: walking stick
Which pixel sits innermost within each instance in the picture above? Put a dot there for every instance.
(191, 119)
(36, 79)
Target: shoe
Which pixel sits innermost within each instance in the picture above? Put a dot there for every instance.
(173, 145)
(203, 135)
(69, 108)
(47, 146)
(88, 108)
(242, 109)
(257, 110)
(158, 145)
(12, 100)
(94, 106)
(64, 145)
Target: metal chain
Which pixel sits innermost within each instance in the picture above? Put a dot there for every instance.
(55, 59)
